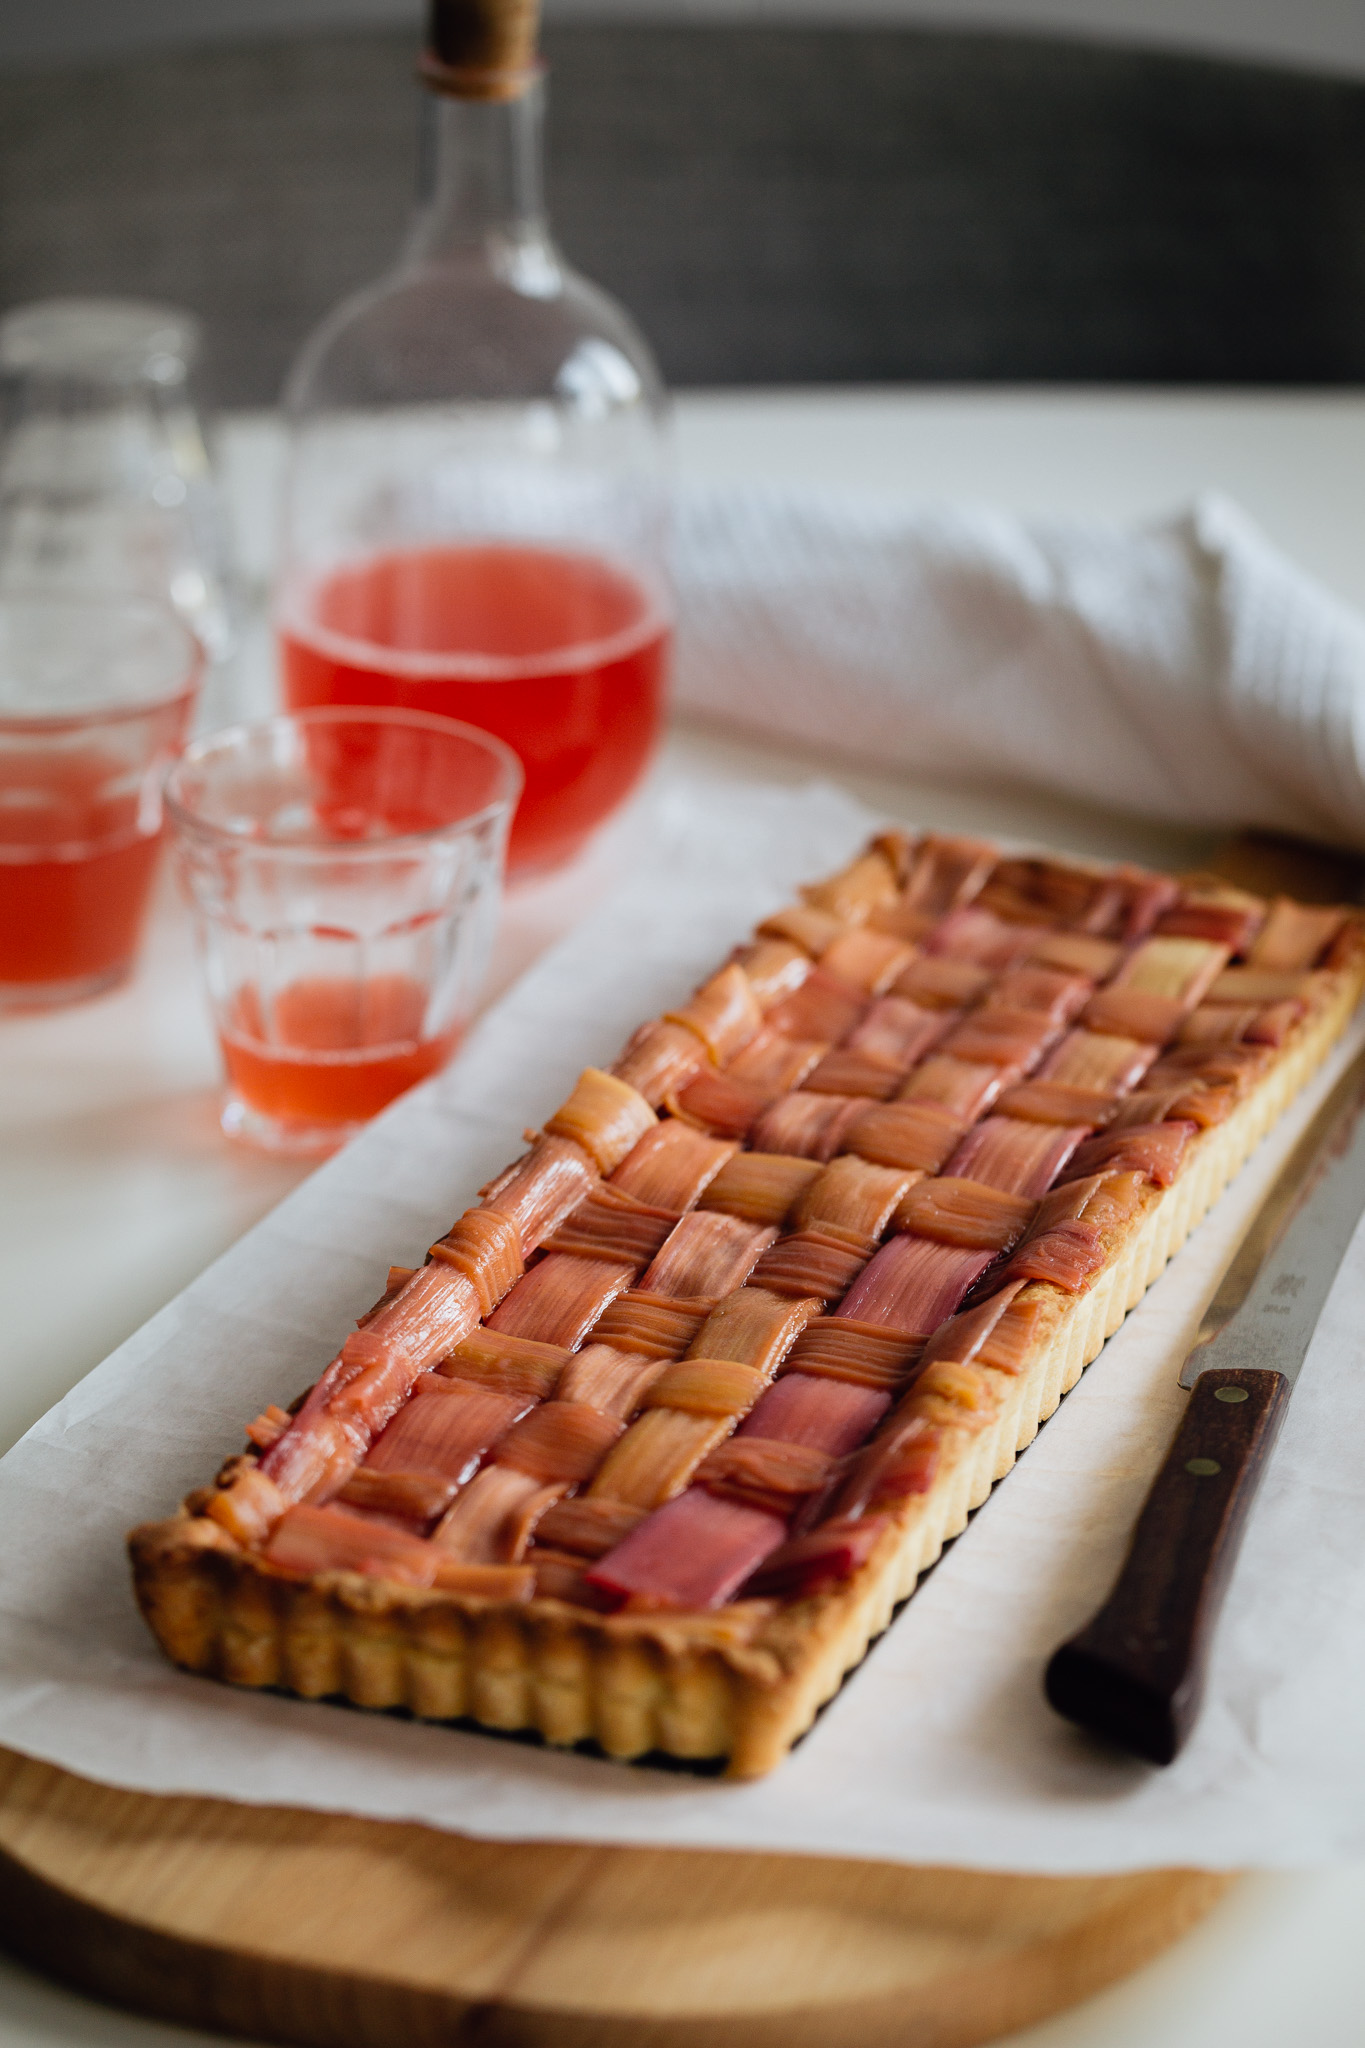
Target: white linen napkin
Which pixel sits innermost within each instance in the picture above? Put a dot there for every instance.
(1185, 671)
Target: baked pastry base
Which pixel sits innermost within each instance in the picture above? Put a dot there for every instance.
(740, 1684)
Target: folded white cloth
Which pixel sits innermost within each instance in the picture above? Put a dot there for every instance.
(1185, 671)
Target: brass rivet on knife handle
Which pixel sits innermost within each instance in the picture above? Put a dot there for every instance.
(1135, 1674)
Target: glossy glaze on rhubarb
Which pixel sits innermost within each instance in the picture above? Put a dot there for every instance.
(704, 1342)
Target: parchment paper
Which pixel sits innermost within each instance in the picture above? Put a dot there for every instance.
(940, 1748)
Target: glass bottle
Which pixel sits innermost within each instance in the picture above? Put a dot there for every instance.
(475, 509)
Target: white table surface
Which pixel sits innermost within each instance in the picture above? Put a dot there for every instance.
(116, 1187)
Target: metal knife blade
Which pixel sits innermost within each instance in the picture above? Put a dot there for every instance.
(1268, 1303)
(1136, 1672)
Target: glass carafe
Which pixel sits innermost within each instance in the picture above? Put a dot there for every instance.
(475, 514)
(105, 485)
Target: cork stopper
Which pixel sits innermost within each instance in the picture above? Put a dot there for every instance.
(481, 49)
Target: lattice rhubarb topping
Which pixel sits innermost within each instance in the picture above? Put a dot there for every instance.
(726, 1315)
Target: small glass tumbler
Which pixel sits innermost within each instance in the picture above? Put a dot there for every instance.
(345, 868)
(95, 700)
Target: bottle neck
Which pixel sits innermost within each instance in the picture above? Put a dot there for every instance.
(482, 189)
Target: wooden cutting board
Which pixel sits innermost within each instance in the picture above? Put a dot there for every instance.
(306, 1927)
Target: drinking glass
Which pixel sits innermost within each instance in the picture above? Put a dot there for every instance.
(345, 868)
(95, 698)
(105, 485)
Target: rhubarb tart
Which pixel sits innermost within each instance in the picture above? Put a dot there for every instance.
(661, 1432)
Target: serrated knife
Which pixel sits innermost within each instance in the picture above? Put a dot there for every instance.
(1136, 1673)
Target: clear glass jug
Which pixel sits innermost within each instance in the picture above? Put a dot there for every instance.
(105, 484)
(475, 512)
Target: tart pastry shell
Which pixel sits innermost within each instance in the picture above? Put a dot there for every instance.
(733, 1688)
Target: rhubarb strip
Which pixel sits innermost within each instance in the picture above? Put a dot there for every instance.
(407, 1500)
(980, 937)
(1197, 1102)
(766, 1473)
(947, 872)
(910, 1136)
(612, 1225)
(804, 926)
(760, 1187)
(671, 1165)
(589, 1527)
(773, 968)
(965, 1213)
(1042, 990)
(486, 1247)
(310, 1540)
(823, 1007)
(866, 959)
(605, 1115)
(913, 1285)
(560, 1299)
(724, 1014)
(844, 1073)
(446, 1428)
(695, 1553)
(1054, 1102)
(815, 1265)
(659, 1059)
(812, 1563)
(866, 884)
(851, 1194)
(1033, 889)
(1228, 916)
(708, 1255)
(833, 1416)
(606, 1378)
(1076, 953)
(838, 1348)
(937, 982)
(655, 1459)
(775, 1063)
(901, 1461)
(541, 1189)
(493, 1516)
(1153, 1149)
(1262, 985)
(650, 1325)
(560, 1442)
(753, 1327)
(1099, 1060)
(1179, 967)
(1016, 1039)
(898, 1031)
(964, 1090)
(1294, 935)
(1017, 1157)
(504, 1364)
(706, 1386)
(720, 1106)
(1134, 1013)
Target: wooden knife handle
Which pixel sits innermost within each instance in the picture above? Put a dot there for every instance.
(1136, 1672)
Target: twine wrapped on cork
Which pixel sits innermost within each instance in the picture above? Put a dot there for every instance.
(481, 49)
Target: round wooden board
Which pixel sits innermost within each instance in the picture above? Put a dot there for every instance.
(305, 1927)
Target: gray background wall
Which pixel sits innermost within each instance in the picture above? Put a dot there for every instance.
(776, 200)
(1324, 34)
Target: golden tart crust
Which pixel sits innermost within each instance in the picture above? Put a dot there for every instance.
(739, 1684)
